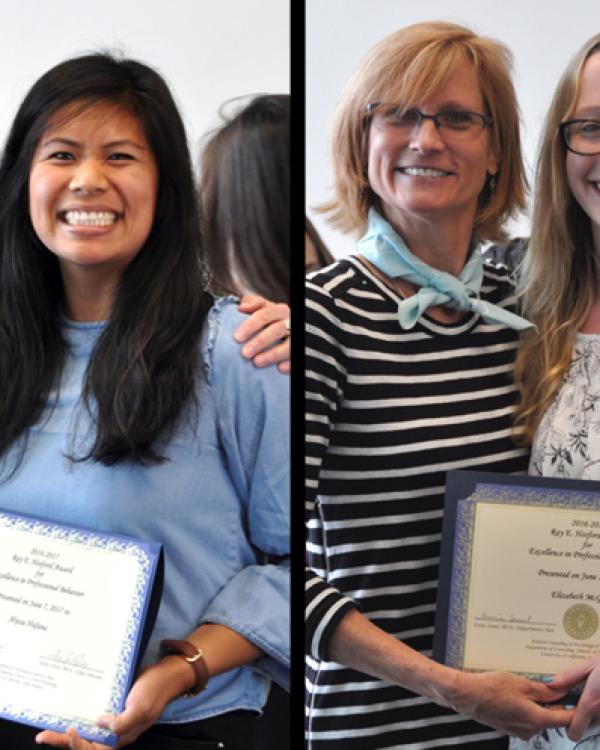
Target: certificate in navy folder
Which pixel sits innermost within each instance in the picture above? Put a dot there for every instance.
(519, 574)
(76, 610)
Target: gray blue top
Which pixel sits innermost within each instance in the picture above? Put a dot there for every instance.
(217, 505)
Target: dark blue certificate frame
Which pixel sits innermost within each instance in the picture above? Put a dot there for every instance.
(460, 485)
(147, 560)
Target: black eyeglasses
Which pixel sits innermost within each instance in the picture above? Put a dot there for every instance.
(581, 136)
(453, 124)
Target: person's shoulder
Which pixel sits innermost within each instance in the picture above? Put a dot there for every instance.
(217, 341)
(334, 280)
(221, 353)
(507, 255)
(497, 273)
(501, 266)
(499, 283)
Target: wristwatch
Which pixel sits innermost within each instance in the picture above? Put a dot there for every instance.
(194, 658)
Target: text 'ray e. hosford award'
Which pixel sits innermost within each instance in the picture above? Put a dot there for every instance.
(76, 607)
(519, 574)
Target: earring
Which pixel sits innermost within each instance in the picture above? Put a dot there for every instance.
(492, 183)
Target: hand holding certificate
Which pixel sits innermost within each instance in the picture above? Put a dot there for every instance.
(520, 583)
(73, 605)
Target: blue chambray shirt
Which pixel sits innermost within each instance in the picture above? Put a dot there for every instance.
(217, 505)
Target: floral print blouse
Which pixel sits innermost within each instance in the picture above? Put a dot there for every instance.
(567, 442)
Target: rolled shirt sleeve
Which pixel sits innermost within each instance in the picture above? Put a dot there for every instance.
(253, 412)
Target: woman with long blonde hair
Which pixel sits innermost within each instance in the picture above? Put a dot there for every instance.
(558, 366)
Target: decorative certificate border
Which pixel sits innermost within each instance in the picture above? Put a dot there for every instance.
(551, 497)
(146, 558)
(464, 490)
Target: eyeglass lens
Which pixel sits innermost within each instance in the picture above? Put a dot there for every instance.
(583, 136)
(453, 124)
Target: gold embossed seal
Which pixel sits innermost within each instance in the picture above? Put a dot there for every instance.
(581, 621)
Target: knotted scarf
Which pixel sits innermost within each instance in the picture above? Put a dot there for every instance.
(383, 247)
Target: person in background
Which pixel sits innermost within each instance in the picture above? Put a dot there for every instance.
(557, 368)
(245, 184)
(410, 347)
(126, 406)
(316, 254)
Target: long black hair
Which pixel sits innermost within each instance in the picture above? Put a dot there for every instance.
(145, 364)
(246, 197)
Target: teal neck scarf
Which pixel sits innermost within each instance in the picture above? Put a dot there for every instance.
(383, 247)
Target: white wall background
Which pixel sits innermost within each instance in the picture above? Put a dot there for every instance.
(542, 35)
(207, 50)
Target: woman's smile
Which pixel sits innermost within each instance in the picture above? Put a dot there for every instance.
(420, 172)
(92, 188)
(87, 218)
(423, 172)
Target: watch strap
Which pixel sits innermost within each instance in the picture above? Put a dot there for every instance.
(194, 658)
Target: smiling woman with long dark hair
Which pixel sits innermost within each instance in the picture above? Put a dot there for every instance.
(157, 291)
(126, 405)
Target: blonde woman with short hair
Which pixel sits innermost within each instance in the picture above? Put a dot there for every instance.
(410, 347)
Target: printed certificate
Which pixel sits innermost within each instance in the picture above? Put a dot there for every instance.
(75, 609)
(520, 574)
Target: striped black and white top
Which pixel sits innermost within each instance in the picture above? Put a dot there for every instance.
(389, 411)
